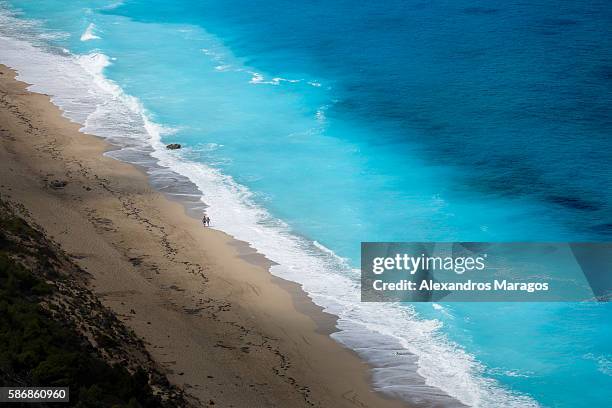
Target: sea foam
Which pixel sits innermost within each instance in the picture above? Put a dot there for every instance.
(88, 34)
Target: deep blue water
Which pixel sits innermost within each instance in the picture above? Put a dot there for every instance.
(515, 93)
(390, 121)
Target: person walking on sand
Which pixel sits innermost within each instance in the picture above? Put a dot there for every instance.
(204, 219)
(207, 221)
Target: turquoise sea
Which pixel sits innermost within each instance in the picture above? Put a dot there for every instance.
(309, 127)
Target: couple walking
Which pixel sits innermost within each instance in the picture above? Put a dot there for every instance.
(206, 221)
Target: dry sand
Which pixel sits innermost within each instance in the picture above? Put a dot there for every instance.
(223, 328)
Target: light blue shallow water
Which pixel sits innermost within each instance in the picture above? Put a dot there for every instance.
(340, 123)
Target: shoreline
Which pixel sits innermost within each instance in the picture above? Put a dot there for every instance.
(213, 317)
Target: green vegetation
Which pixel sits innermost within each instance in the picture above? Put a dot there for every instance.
(36, 350)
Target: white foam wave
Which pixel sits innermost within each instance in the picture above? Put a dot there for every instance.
(213, 54)
(604, 362)
(53, 35)
(278, 80)
(340, 260)
(378, 332)
(113, 5)
(257, 78)
(220, 58)
(89, 34)
(320, 114)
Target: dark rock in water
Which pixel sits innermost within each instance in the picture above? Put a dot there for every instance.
(57, 184)
(173, 146)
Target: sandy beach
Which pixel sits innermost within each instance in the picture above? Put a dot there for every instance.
(221, 326)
